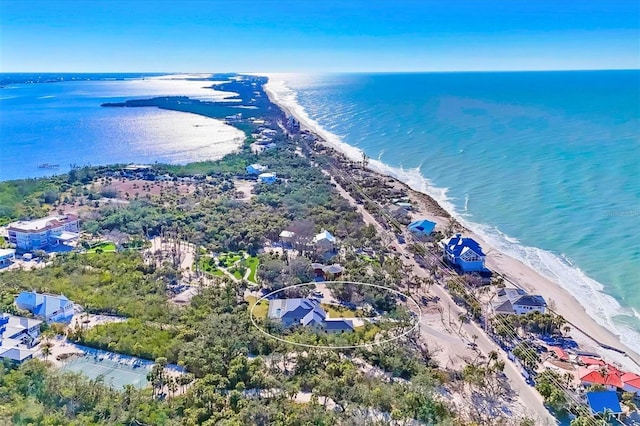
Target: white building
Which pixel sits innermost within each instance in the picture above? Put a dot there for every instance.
(40, 233)
(7, 257)
(518, 302)
(17, 336)
(324, 241)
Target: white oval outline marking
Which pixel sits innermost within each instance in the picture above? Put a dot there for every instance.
(364, 345)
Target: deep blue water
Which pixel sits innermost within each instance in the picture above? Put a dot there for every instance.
(546, 165)
(62, 123)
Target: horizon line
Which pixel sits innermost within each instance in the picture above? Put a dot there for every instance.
(323, 72)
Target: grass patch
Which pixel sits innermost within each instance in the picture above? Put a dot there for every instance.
(103, 247)
(261, 310)
(252, 264)
(229, 259)
(334, 311)
(208, 265)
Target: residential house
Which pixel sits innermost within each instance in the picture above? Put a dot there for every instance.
(399, 213)
(338, 326)
(631, 383)
(17, 336)
(267, 178)
(307, 313)
(25, 331)
(7, 257)
(286, 237)
(50, 307)
(422, 228)
(464, 253)
(41, 233)
(295, 311)
(608, 376)
(324, 241)
(256, 169)
(516, 301)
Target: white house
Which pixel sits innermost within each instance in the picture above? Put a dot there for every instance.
(518, 302)
(50, 307)
(40, 233)
(17, 336)
(7, 257)
(287, 236)
(324, 241)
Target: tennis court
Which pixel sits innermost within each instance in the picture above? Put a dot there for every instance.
(116, 374)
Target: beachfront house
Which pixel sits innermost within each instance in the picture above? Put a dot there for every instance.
(631, 383)
(324, 241)
(7, 257)
(41, 233)
(607, 376)
(256, 169)
(399, 213)
(422, 228)
(50, 307)
(514, 301)
(267, 178)
(307, 313)
(464, 253)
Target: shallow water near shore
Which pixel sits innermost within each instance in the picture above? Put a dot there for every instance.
(544, 166)
(63, 123)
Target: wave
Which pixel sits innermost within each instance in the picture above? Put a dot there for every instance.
(599, 306)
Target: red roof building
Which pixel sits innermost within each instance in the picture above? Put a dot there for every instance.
(631, 383)
(611, 378)
(560, 353)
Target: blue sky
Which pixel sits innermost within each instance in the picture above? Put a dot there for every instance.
(317, 36)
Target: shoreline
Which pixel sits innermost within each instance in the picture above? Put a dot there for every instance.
(584, 329)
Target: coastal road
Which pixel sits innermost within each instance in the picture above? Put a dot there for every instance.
(527, 395)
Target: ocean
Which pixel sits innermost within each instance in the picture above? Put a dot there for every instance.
(63, 123)
(543, 165)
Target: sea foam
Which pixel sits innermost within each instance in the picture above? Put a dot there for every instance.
(556, 267)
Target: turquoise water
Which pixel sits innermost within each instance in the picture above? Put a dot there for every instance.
(545, 165)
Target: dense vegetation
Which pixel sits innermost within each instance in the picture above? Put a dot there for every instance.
(237, 375)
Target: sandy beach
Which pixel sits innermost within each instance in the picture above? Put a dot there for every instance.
(584, 329)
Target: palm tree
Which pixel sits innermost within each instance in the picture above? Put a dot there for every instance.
(46, 351)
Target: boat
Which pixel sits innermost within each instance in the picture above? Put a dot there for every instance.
(48, 166)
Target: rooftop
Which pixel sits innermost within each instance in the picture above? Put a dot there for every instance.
(43, 223)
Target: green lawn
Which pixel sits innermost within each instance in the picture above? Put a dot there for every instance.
(261, 310)
(252, 264)
(229, 259)
(334, 311)
(103, 247)
(208, 265)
